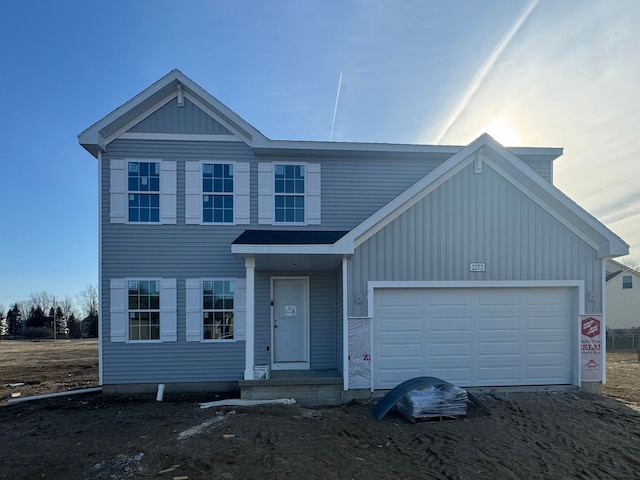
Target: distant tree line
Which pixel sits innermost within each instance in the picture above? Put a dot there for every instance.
(45, 316)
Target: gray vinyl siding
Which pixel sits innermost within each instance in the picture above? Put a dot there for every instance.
(173, 119)
(192, 251)
(475, 218)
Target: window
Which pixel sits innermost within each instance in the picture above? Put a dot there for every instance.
(144, 309)
(217, 189)
(289, 192)
(627, 281)
(217, 309)
(144, 191)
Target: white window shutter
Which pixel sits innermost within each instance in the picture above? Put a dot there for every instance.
(241, 189)
(314, 188)
(168, 197)
(168, 310)
(193, 193)
(118, 310)
(265, 193)
(118, 192)
(194, 309)
(240, 309)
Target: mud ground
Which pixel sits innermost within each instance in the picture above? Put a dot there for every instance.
(533, 435)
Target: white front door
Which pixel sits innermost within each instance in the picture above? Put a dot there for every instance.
(290, 323)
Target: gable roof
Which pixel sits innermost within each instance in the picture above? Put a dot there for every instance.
(157, 96)
(617, 269)
(486, 150)
(175, 83)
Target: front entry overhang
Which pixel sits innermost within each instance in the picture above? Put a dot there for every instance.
(291, 250)
(286, 251)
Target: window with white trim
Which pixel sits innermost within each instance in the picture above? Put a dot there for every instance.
(289, 193)
(144, 191)
(627, 281)
(217, 193)
(144, 309)
(217, 309)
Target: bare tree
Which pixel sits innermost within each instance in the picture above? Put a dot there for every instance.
(630, 262)
(67, 306)
(88, 300)
(43, 300)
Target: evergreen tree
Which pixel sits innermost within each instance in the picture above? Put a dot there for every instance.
(14, 321)
(37, 318)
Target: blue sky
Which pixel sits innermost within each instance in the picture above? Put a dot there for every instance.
(531, 73)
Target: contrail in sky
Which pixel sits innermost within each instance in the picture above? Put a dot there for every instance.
(486, 68)
(335, 108)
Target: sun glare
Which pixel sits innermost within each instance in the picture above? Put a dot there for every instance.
(502, 132)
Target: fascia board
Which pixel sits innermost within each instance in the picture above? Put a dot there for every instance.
(245, 250)
(329, 148)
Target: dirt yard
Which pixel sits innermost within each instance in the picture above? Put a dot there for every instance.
(532, 436)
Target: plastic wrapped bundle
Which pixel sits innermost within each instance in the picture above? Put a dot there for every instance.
(435, 401)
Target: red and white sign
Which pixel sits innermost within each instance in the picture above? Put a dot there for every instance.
(591, 348)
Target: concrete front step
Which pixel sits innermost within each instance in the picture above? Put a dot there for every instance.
(307, 391)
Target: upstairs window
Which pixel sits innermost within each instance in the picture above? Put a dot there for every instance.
(627, 281)
(217, 309)
(217, 190)
(289, 190)
(144, 309)
(144, 191)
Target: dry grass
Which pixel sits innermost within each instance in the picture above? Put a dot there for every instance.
(47, 367)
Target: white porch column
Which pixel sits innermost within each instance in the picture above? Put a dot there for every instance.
(345, 326)
(250, 265)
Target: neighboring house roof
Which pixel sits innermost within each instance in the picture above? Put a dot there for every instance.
(616, 268)
(288, 237)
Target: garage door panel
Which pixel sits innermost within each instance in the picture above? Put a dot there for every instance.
(450, 350)
(498, 348)
(402, 323)
(401, 350)
(491, 299)
(546, 348)
(451, 323)
(459, 376)
(474, 336)
(446, 298)
(499, 323)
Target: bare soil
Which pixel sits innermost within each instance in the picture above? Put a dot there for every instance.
(533, 435)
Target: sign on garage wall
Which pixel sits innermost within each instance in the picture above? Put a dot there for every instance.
(591, 348)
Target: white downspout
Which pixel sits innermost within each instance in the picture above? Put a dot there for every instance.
(249, 360)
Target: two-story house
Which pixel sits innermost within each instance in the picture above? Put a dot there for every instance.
(222, 250)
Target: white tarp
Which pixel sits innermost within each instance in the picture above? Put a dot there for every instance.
(359, 353)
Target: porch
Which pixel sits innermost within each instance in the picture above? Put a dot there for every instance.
(307, 387)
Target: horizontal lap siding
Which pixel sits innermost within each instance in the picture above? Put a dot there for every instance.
(171, 251)
(475, 218)
(339, 318)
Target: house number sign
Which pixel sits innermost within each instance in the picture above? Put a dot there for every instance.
(477, 267)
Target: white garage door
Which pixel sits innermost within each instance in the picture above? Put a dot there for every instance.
(473, 336)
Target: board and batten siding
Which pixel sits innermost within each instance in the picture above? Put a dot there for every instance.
(474, 218)
(173, 119)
